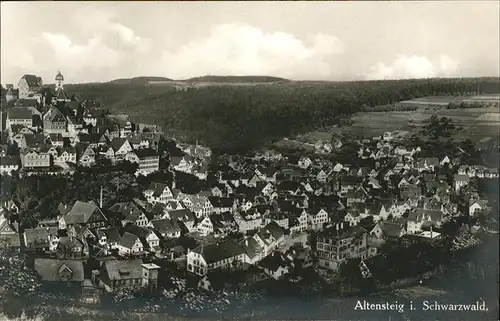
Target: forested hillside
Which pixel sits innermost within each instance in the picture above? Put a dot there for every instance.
(241, 118)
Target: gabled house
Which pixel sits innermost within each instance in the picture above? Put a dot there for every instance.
(418, 218)
(158, 193)
(121, 148)
(130, 244)
(276, 265)
(317, 218)
(84, 214)
(182, 163)
(130, 212)
(86, 154)
(54, 270)
(218, 255)
(54, 121)
(29, 85)
(168, 228)
(222, 204)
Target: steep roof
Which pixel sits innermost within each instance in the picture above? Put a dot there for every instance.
(128, 240)
(166, 226)
(51, 269)
(219, 251)
(81, 212)
(32, 80)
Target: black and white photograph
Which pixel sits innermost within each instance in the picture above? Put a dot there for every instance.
(249, 160)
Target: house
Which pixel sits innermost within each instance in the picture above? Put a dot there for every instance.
(54, 121)
(108, 238)
(184, 216)
(347, 183)
(86, 154)
(158, 193)
(217, 255)
(65, 155)
(270, 238)
(249, 220)
(9, 164)
(222, 204)
(388, 230)
(304, 162)
(29, 85)
(84, 214)
(478, 206)
(130, 244)
(35, 158)
(317, 218)
(427, 164)
(128, 274)
(70, 247)
(20, 116)
(460, 181)
(130, 212)
(148, 161)
(36, 239)
(419, 217)
(181, 164)
(9, 230)
(167, 228)
(352, 218)
(337, 244)
(53, 270)
(276, 265)
(138, 141)
(121, 147)
(199, 204)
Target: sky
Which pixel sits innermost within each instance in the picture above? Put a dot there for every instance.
(102, 41)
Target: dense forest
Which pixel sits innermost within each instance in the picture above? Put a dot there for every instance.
(235, 118)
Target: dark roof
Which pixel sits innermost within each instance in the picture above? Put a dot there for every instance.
(223, 202)
(128, 240)
(165, 225)
(32, 80)
(181, 215)
(9, 160)
(51, 270)
(146, 152)
(117, 143)
(332, 232)
(219, 251)
(20, 113)
(158, 188)
(81, 212)
(273, 261)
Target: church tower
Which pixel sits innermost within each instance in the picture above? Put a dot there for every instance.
(59, 81)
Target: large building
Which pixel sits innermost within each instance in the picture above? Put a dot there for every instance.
(29, 85)
(338, 243)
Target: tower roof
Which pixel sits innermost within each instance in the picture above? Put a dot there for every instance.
(59, 76)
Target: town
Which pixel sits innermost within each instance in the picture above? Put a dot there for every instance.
(267, 215)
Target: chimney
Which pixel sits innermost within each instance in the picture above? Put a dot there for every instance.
(100, 199)
(342, 225)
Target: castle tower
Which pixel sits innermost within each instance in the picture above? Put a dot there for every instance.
(59, 81)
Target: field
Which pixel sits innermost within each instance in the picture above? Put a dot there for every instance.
(477, 123)
(432, 100)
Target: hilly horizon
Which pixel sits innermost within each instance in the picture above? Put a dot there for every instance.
(144, 80)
